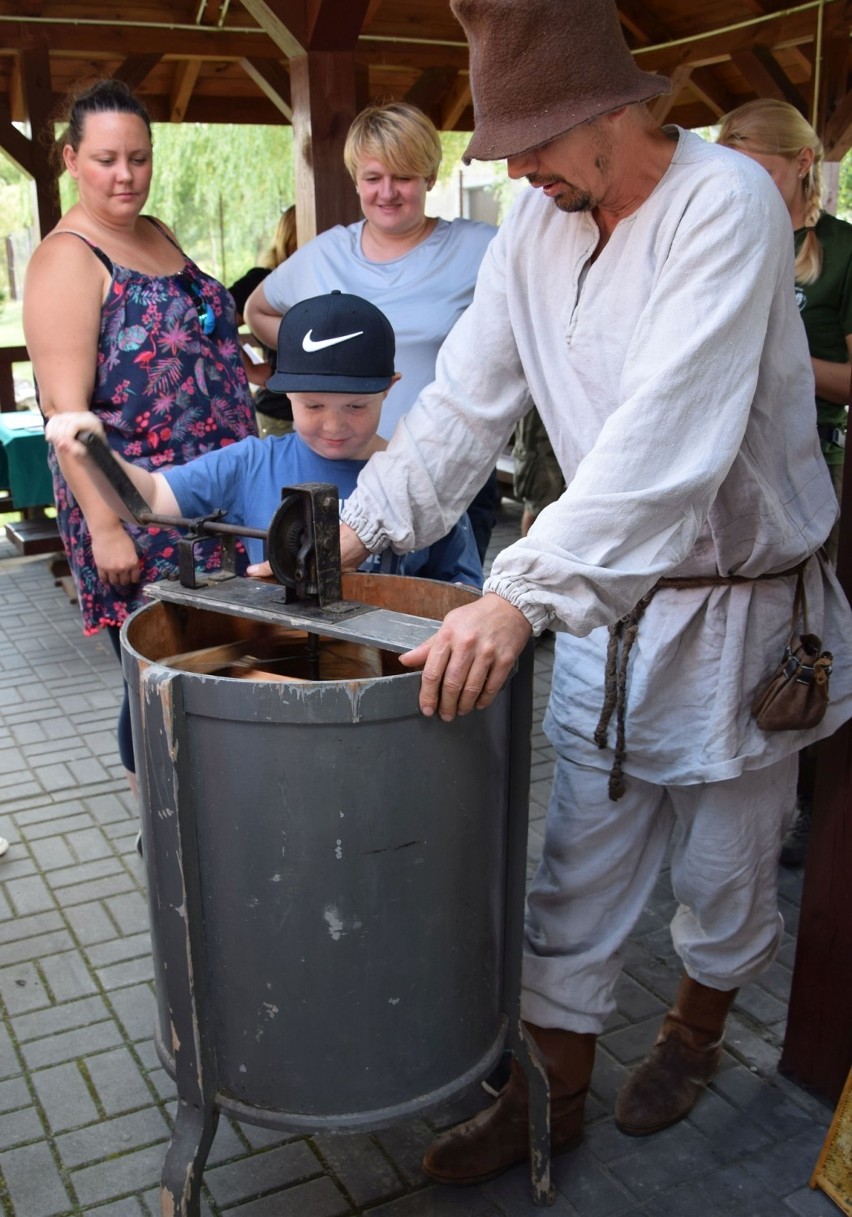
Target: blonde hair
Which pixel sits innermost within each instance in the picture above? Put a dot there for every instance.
(399, 135)
(284, 241)
(775, 128)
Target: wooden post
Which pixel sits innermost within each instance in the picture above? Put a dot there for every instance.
(817, 1049)
(324, 105)
(38, 96)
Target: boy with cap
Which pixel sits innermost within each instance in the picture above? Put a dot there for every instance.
(336, 363)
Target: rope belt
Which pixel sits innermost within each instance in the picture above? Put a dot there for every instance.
(622, 635)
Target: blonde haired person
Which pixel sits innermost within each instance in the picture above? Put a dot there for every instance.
(272, 410)
(420, 270)
(284, 241)
(777, 136)
(400, 136)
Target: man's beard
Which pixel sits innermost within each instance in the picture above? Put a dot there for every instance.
(577, 200)
(570, 199)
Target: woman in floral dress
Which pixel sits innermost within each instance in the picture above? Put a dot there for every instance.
(118, 320)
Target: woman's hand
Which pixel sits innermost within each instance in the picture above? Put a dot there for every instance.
(62, 428)
(116, 559)
(468, 660)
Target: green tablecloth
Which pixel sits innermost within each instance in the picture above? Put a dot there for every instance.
(24, 471)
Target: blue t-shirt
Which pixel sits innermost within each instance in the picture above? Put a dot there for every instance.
(422, 293)
(245, 480)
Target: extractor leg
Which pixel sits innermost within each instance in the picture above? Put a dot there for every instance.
(192, 1137)
(543, 1192)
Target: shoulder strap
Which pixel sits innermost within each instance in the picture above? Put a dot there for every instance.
(99, 253)
(162, 229)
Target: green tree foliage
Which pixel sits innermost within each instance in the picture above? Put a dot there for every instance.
(454, 143)
(844, 191)
(222, 189)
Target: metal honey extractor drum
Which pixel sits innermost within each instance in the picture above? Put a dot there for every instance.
(335, 882)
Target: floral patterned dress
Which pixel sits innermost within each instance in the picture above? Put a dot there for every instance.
(166, 392)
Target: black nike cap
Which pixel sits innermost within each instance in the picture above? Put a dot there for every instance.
(334, 344)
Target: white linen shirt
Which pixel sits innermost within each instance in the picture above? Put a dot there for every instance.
(673, 376)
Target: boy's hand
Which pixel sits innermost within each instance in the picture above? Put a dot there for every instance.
(62, 428)
(352, 554)
(468, 660)
(352, 551)
(260, 570)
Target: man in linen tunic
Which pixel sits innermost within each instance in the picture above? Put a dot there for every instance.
(653, 322)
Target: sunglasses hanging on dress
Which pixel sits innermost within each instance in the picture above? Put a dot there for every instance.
(206, 316)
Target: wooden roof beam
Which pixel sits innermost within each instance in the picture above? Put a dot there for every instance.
(763, 73)
(283, 21)
(120, 41)
(273, 81)
(660, 107)
(186, 75)
(373, 7)
(837, 137)
(419, 56)
(645, 26)
(791, 30)
(430, 89)
(17, 105)
(17, 147)
(211, 12)
(135, 68)
(706, 87)
(833, 75)
(455, 102)
(684, 73)
(332, 26)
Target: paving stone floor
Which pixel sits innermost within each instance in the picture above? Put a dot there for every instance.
(86, 1108)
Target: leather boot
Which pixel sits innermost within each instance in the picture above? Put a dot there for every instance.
(498, 1137)
(663, 1089)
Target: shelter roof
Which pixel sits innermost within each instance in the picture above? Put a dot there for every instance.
(231, 60)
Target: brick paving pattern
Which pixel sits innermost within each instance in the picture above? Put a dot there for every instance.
(86, 1108)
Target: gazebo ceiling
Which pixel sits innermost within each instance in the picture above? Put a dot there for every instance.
(231, 60)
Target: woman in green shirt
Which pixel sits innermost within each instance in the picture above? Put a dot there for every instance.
(776, 135)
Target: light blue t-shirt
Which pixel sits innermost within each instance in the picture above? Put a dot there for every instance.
(245, 480)
(422, 294)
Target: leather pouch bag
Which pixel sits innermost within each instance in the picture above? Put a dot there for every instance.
(796, 696)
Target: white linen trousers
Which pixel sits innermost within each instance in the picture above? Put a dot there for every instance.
(602, 859)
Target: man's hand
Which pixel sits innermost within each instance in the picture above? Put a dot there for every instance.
(468, 660)
(352, 551)
(61, 430)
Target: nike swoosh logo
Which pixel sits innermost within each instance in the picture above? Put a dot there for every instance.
(311, 344)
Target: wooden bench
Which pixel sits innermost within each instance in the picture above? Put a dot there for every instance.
(39, 536)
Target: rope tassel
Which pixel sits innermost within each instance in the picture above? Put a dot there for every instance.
(622, 635)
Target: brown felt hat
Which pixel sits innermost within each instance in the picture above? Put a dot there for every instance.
(540, 67)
